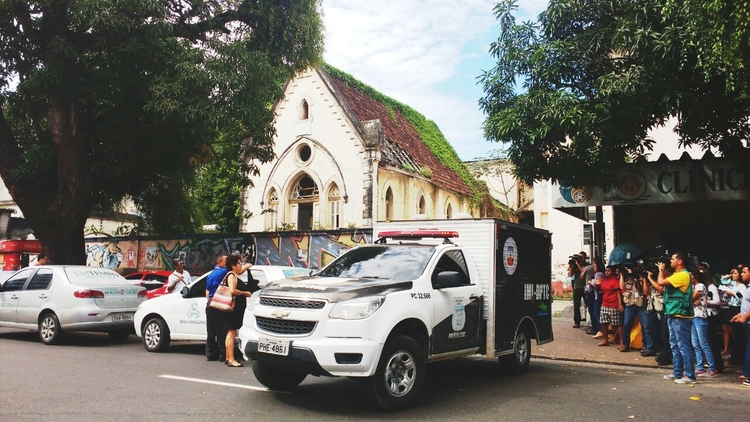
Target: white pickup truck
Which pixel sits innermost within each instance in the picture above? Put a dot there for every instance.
(424, 291)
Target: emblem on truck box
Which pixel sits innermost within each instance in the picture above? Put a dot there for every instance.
(510, 256)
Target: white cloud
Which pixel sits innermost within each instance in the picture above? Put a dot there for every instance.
(416, 52)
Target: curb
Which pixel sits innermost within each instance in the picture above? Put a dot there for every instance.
(601, 362)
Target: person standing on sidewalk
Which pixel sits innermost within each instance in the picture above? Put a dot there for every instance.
(575, 268)
(699, 331)
(678, 305)
(632, 296)
(744, 318)
(654, 316)
(589, 293)
(611, 305)
(714, 322)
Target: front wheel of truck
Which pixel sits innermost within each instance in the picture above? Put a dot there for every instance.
(276, 378)
(400, 375)
(518, 361)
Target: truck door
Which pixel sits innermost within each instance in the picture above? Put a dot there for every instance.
(457, 309)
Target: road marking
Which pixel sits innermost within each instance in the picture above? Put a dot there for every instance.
(223, 384)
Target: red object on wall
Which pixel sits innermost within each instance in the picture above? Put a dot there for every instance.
(12, 250)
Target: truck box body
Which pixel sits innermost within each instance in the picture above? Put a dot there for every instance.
(513, 263)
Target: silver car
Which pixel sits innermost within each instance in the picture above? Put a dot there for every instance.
(54, 299)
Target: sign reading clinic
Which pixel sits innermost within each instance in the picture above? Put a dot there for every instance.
(712, 179)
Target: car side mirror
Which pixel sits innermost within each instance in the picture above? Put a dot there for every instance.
(185, 292)
(449, 279)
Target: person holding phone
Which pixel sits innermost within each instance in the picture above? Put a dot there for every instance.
(736, 293)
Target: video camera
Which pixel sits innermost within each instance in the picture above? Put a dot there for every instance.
(573, 259)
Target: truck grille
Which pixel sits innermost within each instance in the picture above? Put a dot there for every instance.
(281, 326)
(292, 303)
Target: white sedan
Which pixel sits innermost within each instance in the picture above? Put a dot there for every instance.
(54, 299)
(182, 315)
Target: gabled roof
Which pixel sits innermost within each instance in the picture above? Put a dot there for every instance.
(411, 141)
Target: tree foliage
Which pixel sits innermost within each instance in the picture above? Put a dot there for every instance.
(577, 91)
(105, 100)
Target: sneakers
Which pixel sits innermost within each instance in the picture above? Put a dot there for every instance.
(670, 377)
(699, 372)
(706, 374)
(685, 380)
(746, 383)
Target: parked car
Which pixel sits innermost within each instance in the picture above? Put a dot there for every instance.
(182, 315)
(55, 299)
(151, 280)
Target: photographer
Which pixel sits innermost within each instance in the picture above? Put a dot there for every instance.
(631, 284)
(575, 268)
(736, 293)
(655, 320)
(744, 318)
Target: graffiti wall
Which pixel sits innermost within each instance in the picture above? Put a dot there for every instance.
(298, 249)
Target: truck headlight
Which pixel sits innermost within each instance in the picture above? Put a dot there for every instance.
(356, 308)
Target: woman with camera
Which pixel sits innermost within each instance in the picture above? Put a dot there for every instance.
(726, 312)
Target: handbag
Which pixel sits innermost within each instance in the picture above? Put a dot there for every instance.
(223, 300)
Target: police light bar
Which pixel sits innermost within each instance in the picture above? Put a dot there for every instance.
(418, 234)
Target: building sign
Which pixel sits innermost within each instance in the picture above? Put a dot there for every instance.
(714, 179)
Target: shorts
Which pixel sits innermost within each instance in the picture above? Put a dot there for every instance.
(610, 316)
(726, 314)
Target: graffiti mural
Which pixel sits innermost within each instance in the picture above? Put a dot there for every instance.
(306, 250)
(299, 249)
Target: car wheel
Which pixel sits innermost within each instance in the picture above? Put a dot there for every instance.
(155, 335)
(118, 335)
(400, 374)
(276, 378)
(518, 361)
(50, 331)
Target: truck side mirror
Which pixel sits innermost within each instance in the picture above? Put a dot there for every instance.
(185, 292)
(447, 279)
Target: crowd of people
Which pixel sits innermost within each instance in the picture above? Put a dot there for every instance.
(688, 318)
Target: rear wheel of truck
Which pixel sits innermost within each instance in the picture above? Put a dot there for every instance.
(518, 361)
(276, 378)
(400, 375)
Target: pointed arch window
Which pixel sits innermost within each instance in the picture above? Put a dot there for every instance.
(334, 206)
(422, 208)
(449, 211)
(272, 212)
(389, 204)
(304, 110)
(305, 189)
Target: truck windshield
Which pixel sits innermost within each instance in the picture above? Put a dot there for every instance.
(389, 262)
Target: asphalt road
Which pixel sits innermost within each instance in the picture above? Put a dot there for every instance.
(91, 379)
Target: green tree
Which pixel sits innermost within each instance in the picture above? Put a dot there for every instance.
(219, 189)
(105, 100)
(576, 92)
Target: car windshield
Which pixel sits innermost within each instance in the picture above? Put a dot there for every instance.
(83, 276)
(388, 262)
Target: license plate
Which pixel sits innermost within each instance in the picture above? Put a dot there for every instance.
(274, 347)
(122, 317)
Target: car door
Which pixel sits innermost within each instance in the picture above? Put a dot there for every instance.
(34, 296)
(9, 294)
(190, 311)
(457, 309)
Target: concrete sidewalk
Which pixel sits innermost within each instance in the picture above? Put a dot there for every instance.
(573, 344)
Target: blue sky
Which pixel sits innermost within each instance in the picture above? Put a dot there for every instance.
(424, 53)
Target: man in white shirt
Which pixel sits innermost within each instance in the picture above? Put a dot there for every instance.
(179, 275)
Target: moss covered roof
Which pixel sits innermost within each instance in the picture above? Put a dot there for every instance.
(409, 130)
